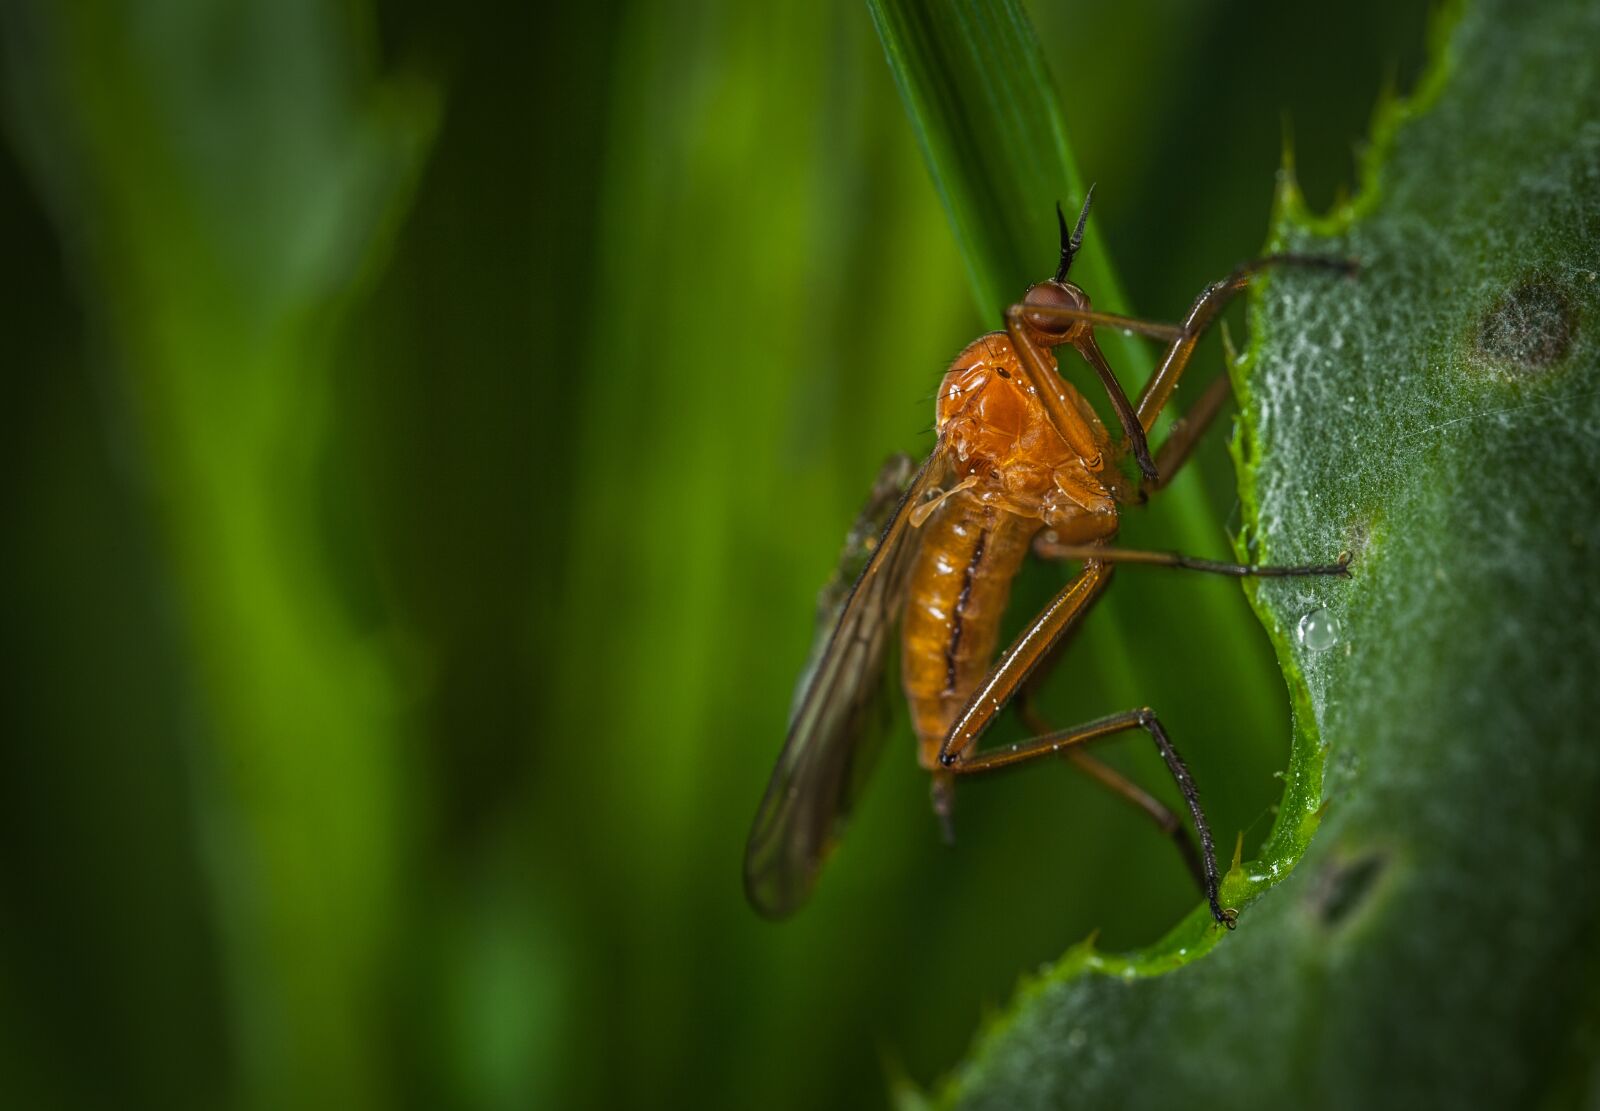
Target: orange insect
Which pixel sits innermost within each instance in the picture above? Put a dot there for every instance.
(1030, 466)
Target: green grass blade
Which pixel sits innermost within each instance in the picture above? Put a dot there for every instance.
(979, 95)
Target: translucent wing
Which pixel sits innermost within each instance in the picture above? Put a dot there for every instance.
(835, 724)
(894, 477)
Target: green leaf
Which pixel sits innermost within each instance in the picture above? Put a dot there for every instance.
(1436, 416)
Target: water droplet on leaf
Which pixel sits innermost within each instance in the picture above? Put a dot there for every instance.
(1319, 630)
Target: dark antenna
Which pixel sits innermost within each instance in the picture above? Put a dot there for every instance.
(1071, 243)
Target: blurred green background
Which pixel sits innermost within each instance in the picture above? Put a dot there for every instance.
(427, 428)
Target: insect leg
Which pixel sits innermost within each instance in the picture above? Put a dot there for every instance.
(967, 763)
(1117, 783)
(1024, 654)
(1102, 773)
(1006, 678)
(1047, 547)
(1211, 301)
(1186, 432)
(1131, 428)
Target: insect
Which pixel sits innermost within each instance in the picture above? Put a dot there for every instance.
(1022, 462)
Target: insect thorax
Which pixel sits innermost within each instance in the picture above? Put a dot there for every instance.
(997, 432)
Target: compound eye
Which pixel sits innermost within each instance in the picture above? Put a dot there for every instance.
(1054, 325)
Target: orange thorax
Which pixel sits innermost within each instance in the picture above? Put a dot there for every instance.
(997, 432)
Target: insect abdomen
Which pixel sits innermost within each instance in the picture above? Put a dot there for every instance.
(958, 590)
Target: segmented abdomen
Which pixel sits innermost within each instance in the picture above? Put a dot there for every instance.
(956, 596)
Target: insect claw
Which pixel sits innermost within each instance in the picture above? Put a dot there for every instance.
(1229, 918)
